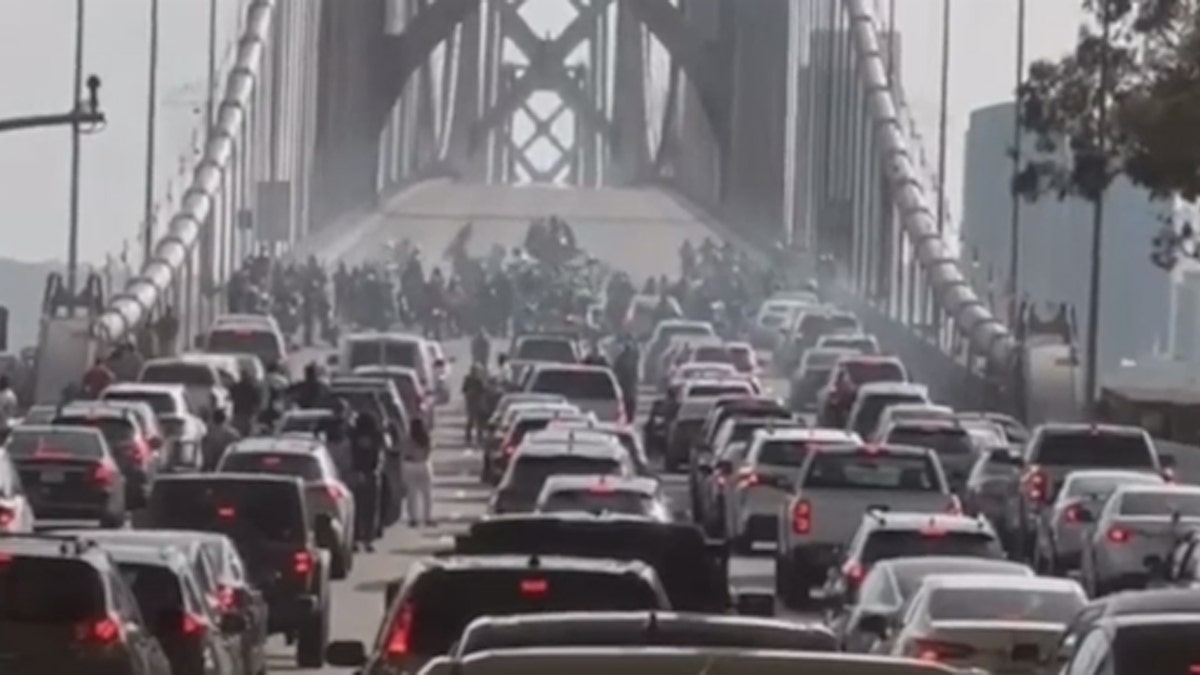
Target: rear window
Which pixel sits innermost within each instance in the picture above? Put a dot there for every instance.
(1168, 649)
(783, 453)
(712, 355)
(860, 345)
(668, 332)
(554, 350)
(37, 590)
(872, 408)
(190, 374)
(383, 353)
(443, 604)
(306, 424)
(866, 471)
(989, 604)
(944, 441)
(36, 444)
(842, 323)
(576, 384)
(161, 404)
(242, 509)
(1093, 450)
(1163, 504)
(599, 501)
(281, 464)
(889, 544)
(865, 372)
(529, 473)
(156, 589)
(116, 430)
(261, 343)
(717, 390)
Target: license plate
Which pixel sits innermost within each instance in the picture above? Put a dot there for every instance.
(52, 477)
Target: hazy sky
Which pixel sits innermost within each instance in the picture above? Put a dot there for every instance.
(36, 57)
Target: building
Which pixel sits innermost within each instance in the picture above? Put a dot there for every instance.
(1055, 246)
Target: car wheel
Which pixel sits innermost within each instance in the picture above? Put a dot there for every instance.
(310, 644)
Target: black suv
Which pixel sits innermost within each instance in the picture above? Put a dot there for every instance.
(65, 608)
(283, 549)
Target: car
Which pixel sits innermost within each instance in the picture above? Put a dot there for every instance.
(219, 573)
(202, 381)
(834, 488)
(603, 494)
(328, 496)
(601, 433)
(693, 570)
(1151, 602)
(184, 434)
(1055, 450)
(1139, 523)
(744, 358)
(262, 339)
(993, 623)
(764, 481)
(1061, 529)
(1147, 643)
(267, 518)
(524, 420)
(135, 455)
(419, 402)
(946, 437)
(617, 629)
(809, 327)
(438, 598)
(699, 371)
(715, 387)
(65, 608)
(808, 378)
(373, 348)
(711, 471)
(593, 388)
(661, 338)
(395, 414)
(1014, 432)
(889, 535)
(39, 414)
(194, 638)
(871, 399)
(164, 399)
(646, 310)
(532, 464)
(16, 511)
(913, 412)
(69, 473)
(740, 405)
(991, 489)
(840, 394)
(545, 348)
(867, 624)
(685, 430)
(865, 345)
(774, 317)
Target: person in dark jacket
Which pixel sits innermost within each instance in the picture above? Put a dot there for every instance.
(310, 392)
(626, 370)
(247, 398)
(366, 458)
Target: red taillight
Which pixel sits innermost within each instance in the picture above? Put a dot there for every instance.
(802, 517)
(602, 489)
(140, 451)
(8, 516)
(335, 491)
(1074, 514)
(302, 563)
(1118, 535)
(936, 650)
(100, 632)
(194, 626)
(104, 474)
(226, 512)
(226, 599)
(854, 574)
(534, 587)
(397, 642)
(1037, 485)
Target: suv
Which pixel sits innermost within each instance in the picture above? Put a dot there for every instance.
(428, 610)
(534, 463)
(847, 376)
(284, 551)
(65, 608)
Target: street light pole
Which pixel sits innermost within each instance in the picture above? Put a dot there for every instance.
(1014, 254)
(76, 131)
(943, 121)
(1091, 376)
(151, 138)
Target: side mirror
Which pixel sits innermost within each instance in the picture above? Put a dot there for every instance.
(346, 654)
(755, 603)
(873, 624)
(233, 624)
(1167, 461)
(1065, 649)
(389, 594)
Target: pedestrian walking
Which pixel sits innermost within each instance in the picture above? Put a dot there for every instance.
(418, 475)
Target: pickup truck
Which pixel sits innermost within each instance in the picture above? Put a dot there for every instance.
(836, 486)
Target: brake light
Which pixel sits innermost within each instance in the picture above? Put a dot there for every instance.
(802, 517)
(194, 626)
(1037, 484)
(103, 632)
(139, 450)
(226, 598)
(397, 643)
(335, 491)
(1074, 513)
(104, 474)
(534, 587)
(1118, 535)
(7, 517)
(933, 530)
(302, 563)
(226, 512)
(854, 574)
(937, 650)
(602, 489)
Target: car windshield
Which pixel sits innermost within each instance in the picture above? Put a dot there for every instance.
(781, 453)
(1101, 450)
(162, 404)
(36, 590)
(262, 343)
(377, 352)
(872, 471)
(599, 500)
(860, 345)
(246, 510)
(34, 444)
(554, 350)
(929, 541)
(116, 430)
(1157, 648)
(1165, 504)
(304, 467)
(189, 374)
(873, 406)
(1004, 604)
(576, 384)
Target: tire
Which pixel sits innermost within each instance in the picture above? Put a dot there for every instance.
(310, 642)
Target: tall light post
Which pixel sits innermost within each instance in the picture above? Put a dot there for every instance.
(151, 137)
(943, 122)
(1099, 172)
(1014, 253)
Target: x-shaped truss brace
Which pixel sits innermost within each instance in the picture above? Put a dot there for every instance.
(542, 128)
(547, 69)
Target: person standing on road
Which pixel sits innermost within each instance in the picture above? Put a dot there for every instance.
(474, 391)
(418, 474)
(481, 347)
(97, 379)
(247, 398)
(216, 440)
(626, 370)
(366, 454)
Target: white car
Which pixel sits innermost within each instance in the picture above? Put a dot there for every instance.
(16, 513)
(603, 494)
(309, 460)
(991, 622)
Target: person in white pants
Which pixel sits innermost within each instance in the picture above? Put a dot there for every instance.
(418, 475)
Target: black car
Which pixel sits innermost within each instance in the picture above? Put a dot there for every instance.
(267, 519)
(69, 473)
(428, 610)
(196, 641)
(65, 608)
(136, 455)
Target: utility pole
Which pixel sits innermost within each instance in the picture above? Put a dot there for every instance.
(76, 131)
(943, 118)
(151, 138)
(1014, 253)
(1091, 376)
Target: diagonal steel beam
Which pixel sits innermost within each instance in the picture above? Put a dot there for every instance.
(542, 127)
